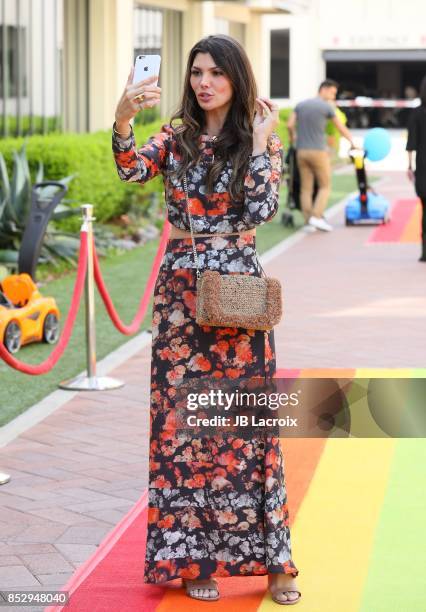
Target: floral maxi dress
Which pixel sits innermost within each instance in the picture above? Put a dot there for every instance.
(217, 504)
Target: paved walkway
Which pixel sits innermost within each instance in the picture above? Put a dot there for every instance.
(352, 304)
(76, 474)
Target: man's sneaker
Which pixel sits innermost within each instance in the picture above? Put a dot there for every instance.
(320, 224)
(309, 229)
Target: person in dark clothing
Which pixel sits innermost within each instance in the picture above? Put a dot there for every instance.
(417, 142)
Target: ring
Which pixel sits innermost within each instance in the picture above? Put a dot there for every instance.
(140, 97)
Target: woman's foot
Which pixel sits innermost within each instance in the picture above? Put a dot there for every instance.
(206, 590)
(283, 588)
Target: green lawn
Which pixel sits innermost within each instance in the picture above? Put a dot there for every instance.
(125, 276)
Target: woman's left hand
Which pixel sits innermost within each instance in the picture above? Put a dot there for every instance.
(265, 121)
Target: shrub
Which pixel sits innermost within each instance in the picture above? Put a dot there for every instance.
(88, 156)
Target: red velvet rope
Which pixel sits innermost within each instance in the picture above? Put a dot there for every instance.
(56, 354)
(133, 327)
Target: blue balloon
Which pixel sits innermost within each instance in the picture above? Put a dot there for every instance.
(377, 144)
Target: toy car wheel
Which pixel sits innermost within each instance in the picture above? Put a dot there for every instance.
(287, 219)
(51, 328)
(13, 337)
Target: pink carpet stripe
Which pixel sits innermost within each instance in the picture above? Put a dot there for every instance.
(401, 213)
(102, 551)
(287, 373)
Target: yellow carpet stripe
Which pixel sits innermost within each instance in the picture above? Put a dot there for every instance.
(333, 532)
(384, 373)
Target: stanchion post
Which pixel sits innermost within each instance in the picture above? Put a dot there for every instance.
(90, 381)
(90, 294)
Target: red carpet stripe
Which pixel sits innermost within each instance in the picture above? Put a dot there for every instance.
(401, 213)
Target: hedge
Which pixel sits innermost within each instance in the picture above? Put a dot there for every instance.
(89, 156)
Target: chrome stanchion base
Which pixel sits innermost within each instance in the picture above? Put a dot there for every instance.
(91, 383)
(4, 478)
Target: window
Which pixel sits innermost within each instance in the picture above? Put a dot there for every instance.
(13, 44)
(280, 64)
(31, 41)
(148, 31)
(148, 40)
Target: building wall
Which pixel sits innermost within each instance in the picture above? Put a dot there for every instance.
(109, 50)
(366, 24)
(351, 25)
(78, 53)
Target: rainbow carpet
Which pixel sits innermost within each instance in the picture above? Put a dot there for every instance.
(357, 509)
(404, 225)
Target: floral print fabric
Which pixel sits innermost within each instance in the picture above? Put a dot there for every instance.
(214, 213)
(217, 504)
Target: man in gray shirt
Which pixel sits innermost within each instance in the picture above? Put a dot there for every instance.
(306, 127)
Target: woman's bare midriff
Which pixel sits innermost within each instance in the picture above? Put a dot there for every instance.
(176, 232)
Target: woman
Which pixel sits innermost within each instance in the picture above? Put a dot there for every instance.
(217, 506)
(417, 142)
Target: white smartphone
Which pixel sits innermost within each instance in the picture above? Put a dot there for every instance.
(146, 66)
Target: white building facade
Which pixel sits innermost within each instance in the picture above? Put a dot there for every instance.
(372, 47)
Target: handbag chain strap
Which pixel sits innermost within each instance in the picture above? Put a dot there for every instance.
(194, 250)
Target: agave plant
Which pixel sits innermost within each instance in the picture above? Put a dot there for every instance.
(15, 204)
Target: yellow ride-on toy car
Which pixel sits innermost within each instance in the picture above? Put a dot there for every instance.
(25, 315)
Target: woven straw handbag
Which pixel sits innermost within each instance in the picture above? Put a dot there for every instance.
(235, 300)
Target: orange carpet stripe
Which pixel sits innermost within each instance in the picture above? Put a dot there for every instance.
(327, 373)
(411, 231)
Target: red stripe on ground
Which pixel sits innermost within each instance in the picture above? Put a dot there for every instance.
(400, 215)
(287, 373)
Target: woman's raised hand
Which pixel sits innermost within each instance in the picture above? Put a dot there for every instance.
(265, 121)
(130, 104)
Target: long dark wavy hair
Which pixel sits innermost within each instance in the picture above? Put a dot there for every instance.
(235, 141)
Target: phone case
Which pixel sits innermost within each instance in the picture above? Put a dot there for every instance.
(146, 66)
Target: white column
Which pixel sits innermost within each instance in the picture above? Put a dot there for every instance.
(198, 21)
(110, 57)
(75, 66)
(171, 65)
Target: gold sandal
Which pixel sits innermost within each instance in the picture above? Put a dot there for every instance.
(191, 585)
(287, 589)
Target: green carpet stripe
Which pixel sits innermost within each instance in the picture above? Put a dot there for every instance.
(396, 577)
